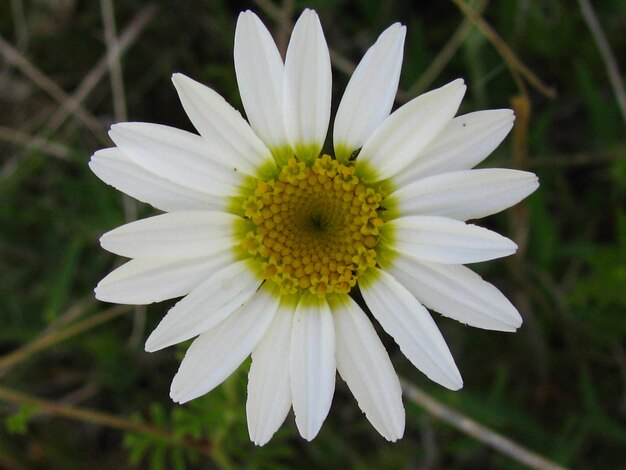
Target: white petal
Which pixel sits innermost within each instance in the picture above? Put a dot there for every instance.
(465, 142)
(143, 281)
(371, 90)
(465, 195)
(260, 74)
(457, 292)
(307, 87)
(399, 140)
(176, 155)
(182, 234)
(448, 241)
(119, 171)
(217, 353)
(364, 364)
(312, 365)
(205, 306)
(221, 125)
(269, 388)
(412, 327)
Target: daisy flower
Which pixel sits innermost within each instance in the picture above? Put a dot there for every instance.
(266, 237)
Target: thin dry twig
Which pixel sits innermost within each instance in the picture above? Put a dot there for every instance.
(446, 53)
(603, 157)
(121, 114)
(114, 62)
(513, 62)
(610, 63)
(126, 39)
(271, 9)
(16, 58)
(19, 21)
(81, 394)
(43, 342)
(90, 81)
(282, 17)
(71, 314)
(101, 419)
(285, 25)
(472, 428)
(519, 221)
(523, 109)
(342, 63)
(48, 147)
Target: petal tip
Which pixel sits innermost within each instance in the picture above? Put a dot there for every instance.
(179, 79)
(458, 83)
(309, 436)
(454, 381)
(149, 346)
(176, 394)
(156, 342)
(396, 28)
(456, 386)
(534, 184)
(515, 321)
(395, 436)
(395, 431)
(96, 292)
(246, 15)
(103, 240)
(449, 377)
(102, 295)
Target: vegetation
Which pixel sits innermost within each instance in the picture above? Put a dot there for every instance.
(78, 391)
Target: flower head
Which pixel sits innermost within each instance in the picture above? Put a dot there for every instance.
(265, 236)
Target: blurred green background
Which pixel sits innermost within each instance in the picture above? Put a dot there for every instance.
(557, 387)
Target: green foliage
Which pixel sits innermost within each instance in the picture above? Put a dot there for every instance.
(215, 422)
(599, 295)
(17, 422)
(557, 386)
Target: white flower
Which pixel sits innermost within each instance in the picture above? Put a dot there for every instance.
(265, 237)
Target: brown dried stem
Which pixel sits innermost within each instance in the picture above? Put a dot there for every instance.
(17, 59)
(126, 39)
(479, 432)
(514, 64)
(446, 53)
(48, 147)
(9, 360)
(101, 419)
(617, 84)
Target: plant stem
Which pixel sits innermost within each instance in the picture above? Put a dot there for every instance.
(513, 62)
(99, 418)
(9, 360)
(479, 432)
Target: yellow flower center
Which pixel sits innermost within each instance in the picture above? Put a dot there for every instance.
(314, 227)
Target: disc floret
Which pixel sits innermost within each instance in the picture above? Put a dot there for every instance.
(314, 227)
